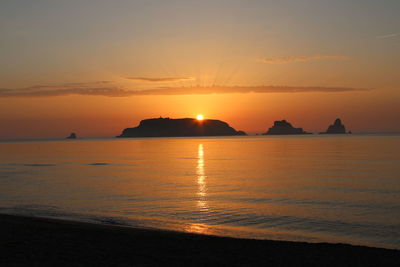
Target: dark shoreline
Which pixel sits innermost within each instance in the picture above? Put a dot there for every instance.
(27, 241)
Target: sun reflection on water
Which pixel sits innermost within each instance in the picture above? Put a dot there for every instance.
(201, 181)
(198, 229)
(201, 193)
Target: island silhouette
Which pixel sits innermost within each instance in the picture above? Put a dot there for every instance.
(71, 136)
(336, 128)
(283, 127)
(166, 127)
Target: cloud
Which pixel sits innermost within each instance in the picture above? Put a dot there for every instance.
(111, 90)
(103, 88)
(32, 92)
(160, 79)
(290, 59)
(388, 35)
(200, 90)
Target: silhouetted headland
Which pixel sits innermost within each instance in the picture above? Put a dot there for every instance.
(166, 127)
(284, 127)
(336, 128)
(72, 136)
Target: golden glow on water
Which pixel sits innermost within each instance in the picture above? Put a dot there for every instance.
(198, 229)
(201, 204)
(201, 180)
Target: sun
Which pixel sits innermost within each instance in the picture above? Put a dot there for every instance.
(200, 117)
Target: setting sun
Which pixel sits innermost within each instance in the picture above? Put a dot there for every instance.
(200, 117)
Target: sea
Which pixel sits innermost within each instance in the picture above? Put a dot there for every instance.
(311, 188)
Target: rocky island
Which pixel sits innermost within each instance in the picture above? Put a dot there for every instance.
(166, 127)
(71, 136)
(284, 127)
(336, 128)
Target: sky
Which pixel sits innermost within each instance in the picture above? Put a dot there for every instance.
(97, 67)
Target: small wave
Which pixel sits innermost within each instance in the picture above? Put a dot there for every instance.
(38, 165)
(34, 210)
(49, 211)
(365, 190)
(37, 207)
(109, 220)
(98, 164)
(321, 203)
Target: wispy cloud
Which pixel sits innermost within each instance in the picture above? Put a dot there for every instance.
(200, 90)
(290, 59)
(33, 92)
(110, 90)
(388, 35)
(160, 79)
(104, 88)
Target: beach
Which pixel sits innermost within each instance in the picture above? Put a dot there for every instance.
(32, 241)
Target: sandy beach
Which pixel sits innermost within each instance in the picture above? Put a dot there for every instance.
(29, 241)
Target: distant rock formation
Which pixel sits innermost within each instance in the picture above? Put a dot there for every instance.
(284, 127)
(166, 127)
(336, 128)
(72, 136)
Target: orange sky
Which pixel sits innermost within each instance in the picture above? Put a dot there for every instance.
(244, 62)
(101, 116)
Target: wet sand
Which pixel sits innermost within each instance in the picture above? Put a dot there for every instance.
(26, 241)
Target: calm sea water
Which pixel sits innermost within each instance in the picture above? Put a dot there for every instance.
(300, 188)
